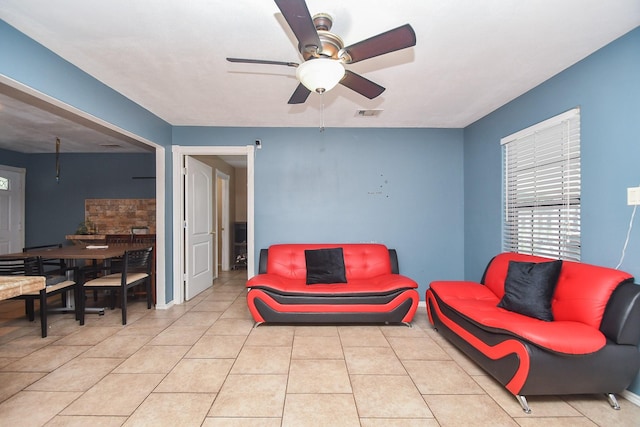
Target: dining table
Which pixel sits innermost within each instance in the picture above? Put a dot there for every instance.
(74, 253)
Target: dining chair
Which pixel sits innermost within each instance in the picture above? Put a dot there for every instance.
(146, 239)
(91, 269)
(48, 263)
(136, 269)
(115, 264)
(51, 266)
(56, 284)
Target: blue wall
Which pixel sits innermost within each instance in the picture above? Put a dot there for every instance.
(82, 176)
(13, 158)
(400, 187)
(606, 87)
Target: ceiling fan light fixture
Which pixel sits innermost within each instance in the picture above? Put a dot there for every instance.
(320, 74)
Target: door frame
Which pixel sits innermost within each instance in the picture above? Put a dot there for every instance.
(225, 249)
(21, 172)
(41, 100)
(177, 211)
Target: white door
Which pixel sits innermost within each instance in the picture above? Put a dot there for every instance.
(223, 196)
(198, 237)
(11, 209)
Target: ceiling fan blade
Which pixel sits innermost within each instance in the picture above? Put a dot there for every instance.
(390, 41)
(262, 61)
(297, 15)
(363, 86)
(300, 95)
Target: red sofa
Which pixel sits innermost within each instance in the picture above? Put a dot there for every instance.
(590, 346)
(374, 291)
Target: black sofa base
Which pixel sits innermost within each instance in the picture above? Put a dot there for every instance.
(394, 316)
(548, 373)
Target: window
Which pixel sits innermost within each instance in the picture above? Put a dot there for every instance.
(4, 183)
(542, 188)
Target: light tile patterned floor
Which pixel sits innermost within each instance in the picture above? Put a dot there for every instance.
(204, 364)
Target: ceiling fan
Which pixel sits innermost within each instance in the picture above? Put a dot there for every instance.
(324, 53)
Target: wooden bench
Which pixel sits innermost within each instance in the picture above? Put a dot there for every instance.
(13, 286)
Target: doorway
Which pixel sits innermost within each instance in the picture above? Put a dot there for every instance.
(178, 207)
(37, 99)
(222, 220)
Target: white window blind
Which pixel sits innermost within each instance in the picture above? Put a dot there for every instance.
(542, 188)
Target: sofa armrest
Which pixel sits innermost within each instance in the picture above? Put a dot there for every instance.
(262, 266)
(621, 320)
(393, 256)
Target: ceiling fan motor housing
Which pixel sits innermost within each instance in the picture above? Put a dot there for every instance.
(331, 43)
(322, 21)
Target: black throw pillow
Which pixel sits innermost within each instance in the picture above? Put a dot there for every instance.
(325, 266)
(529, 287)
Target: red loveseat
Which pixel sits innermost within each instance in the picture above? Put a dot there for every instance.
(590, 346)
(374, 291)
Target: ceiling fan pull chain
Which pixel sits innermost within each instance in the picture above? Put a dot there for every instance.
(322, 112)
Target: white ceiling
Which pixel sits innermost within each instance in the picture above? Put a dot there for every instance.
(29, 125)
(471, 56)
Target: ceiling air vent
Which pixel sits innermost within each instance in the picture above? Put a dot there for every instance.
(368, 113)
(111, 145)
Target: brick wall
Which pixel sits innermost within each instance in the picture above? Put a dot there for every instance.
(117, 216)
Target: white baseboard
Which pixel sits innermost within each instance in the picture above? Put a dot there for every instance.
(631, 397)
(164, 306)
